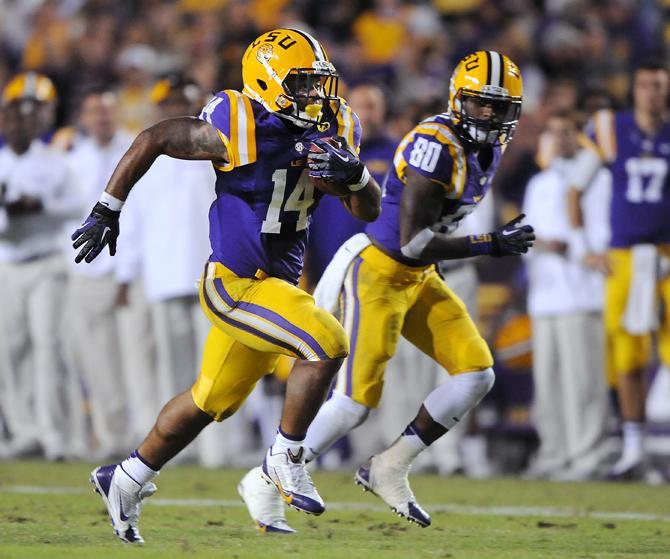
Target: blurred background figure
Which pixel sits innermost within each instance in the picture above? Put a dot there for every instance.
(136, 66)
(565, 301)
(166, 244)
(37, 197)
(635, 146)
(91, 335)
(44, 91)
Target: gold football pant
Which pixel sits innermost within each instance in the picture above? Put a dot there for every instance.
(254, 322)
(628, 353)
(383, 299)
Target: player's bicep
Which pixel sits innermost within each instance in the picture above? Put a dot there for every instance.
(192, 138)
(420, 205)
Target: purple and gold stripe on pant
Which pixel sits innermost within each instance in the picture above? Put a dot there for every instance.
(260, 321)
(352, 306)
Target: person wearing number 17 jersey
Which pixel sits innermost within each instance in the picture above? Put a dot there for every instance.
(635, 146)
(383, 283)
(259, 141)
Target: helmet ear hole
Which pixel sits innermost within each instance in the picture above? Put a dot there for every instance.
(262, 85)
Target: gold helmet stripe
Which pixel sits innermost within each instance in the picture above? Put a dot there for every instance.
(316, 46)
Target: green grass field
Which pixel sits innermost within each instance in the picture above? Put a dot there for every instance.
(49, 511)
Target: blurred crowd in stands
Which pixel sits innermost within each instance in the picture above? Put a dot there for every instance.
(119, 66)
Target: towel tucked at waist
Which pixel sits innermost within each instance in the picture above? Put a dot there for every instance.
(328, 289)
(641, 315)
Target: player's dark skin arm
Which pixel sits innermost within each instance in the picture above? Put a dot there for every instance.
(366, 203)
(181, 138)
(421, 207)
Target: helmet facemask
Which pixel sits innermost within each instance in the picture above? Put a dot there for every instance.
(308, 94)
(486, 118)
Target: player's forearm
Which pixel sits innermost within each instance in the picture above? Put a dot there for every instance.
(365, 204)
(512, 239)
(575, 208)
(442, 247)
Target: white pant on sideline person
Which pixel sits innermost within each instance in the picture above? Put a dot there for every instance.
(180, 329)
(565, 302)
(31, 369)
(93, 355)
(570, 406)
(138, 363)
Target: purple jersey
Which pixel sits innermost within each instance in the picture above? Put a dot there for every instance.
(433, 150)
(264, 198)
(640, 207)
(332, 223)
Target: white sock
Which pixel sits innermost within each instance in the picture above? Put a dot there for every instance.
(137, 470)
(633, 441)
(404, 450)
(283, 443)
(339, 415)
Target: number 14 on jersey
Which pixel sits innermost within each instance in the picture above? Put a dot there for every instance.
(299, 200)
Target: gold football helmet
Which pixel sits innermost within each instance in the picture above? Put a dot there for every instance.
(485, 95)
(289, 73)
(29, 85)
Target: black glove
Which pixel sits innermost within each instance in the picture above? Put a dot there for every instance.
(333, 159)
(512, 238)
(100, 228)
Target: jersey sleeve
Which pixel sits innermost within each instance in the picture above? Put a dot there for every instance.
(349, 125)
(600, 135)
(432, 150)
(231, 113)
(587, 163)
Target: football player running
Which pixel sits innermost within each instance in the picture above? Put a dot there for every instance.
(384, 284)
(258, 141)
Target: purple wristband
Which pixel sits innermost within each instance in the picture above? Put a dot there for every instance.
(480, 244)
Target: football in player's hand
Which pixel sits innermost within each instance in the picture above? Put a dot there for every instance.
(324, 185)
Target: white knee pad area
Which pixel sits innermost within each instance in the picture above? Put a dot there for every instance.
(336, 418)
(458, 394)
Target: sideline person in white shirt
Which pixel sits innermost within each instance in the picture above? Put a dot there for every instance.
(565, 302)
(167, 243)
(36, 199)
(91, 333)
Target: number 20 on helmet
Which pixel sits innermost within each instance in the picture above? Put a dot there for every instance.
(485, 95)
